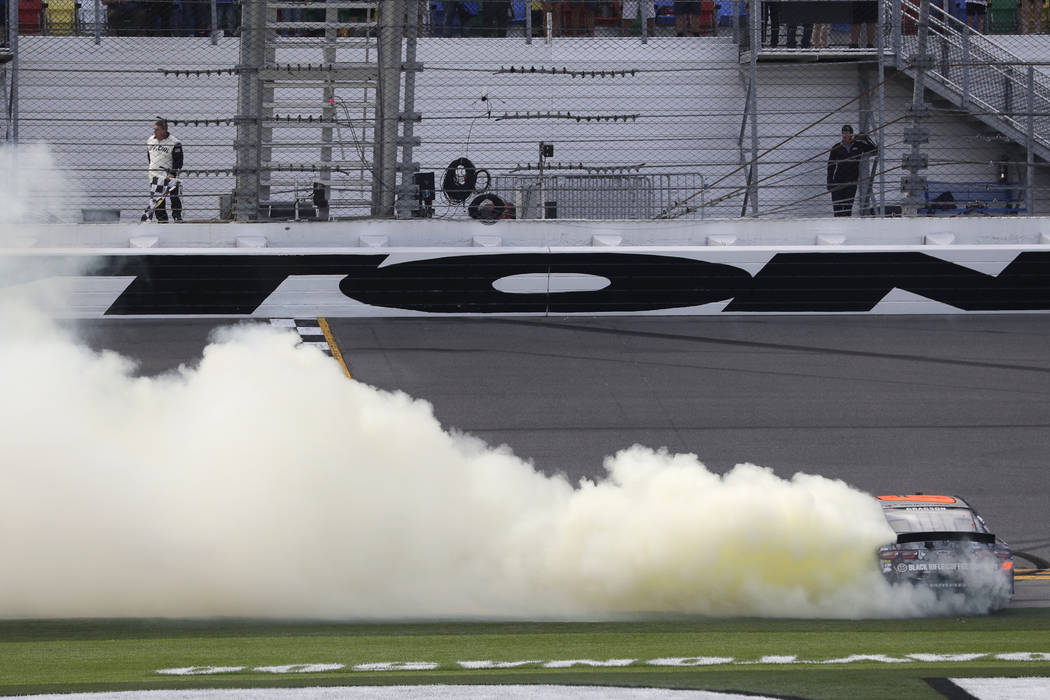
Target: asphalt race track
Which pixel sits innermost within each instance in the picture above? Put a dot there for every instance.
(955, 404)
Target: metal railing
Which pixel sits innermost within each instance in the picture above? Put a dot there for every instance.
(599, 196)
(310, 112)
(976, 73)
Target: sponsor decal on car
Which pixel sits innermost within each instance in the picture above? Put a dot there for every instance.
(933, 566)
(919, 497)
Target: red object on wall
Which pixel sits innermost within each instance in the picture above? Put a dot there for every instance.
(30, 16)
(708, 20)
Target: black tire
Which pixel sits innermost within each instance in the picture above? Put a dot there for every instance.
(455, 188)
(493, 213)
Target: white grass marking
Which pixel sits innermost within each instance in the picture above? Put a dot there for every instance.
(1005, 688)
(415, 692)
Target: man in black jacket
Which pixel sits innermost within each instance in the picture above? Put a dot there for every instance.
(844, 169)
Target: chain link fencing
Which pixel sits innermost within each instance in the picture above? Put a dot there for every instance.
(500, 109)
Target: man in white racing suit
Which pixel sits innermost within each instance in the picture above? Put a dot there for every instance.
(165, 162)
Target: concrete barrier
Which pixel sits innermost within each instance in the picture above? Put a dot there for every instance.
(355, 281)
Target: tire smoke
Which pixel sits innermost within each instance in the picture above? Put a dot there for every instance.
(262, 482)
(32, 189)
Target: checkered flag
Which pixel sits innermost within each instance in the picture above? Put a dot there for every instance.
(159, 189)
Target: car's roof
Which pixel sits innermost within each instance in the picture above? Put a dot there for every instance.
(922, 499)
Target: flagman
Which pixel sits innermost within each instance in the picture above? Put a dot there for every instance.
(165, 162)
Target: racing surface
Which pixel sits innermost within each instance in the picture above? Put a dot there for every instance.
(939, 404)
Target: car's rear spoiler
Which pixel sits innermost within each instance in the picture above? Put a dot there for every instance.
(983, 537)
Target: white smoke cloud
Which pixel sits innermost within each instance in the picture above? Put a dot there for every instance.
(262, 482)
(34, 189)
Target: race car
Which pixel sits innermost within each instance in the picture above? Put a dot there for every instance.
(944, 544)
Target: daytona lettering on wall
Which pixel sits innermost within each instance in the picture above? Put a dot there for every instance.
(203, 284)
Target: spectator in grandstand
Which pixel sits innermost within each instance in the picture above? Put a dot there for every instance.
(87, 19)
(1031, 16)
(866, 14)
(125, 17)
(196, 17)
(362, 15)
(792, 36)
(317, 16)
(555, 10)
(159, 17)
(535, 10)
(228, 16)
(975, 12)
(844, 169)
(165, 162)
(630, 10)
(579, 17)
(687, 18)
(461, 11)
(771, 17)
(287, 14)
(494, 16)
(422, 16)
(821, 35)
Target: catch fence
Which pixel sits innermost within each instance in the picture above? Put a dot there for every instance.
(350, 109)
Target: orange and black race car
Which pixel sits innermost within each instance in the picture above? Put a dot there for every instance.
(944, 544)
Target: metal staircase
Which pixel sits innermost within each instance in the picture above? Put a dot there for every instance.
(319, 108)
(972, 72)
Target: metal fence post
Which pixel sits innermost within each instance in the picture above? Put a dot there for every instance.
(214, 23)
(736, 22)
(914, 184)
(756, 43)
(407, 167)
(12, 105)
(387, 117)
(898, 19)
(1029, 190)
(881, 97)
(1008, 91)
(966, 67)
(249, 114)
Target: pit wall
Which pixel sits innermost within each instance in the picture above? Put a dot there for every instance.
(919, 266)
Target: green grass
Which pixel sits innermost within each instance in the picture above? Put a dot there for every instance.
(79, 655)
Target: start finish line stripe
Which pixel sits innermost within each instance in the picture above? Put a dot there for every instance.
(333, 346)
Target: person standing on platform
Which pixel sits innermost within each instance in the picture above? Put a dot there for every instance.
(844, 169)
(975, 12)
(165, 163)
